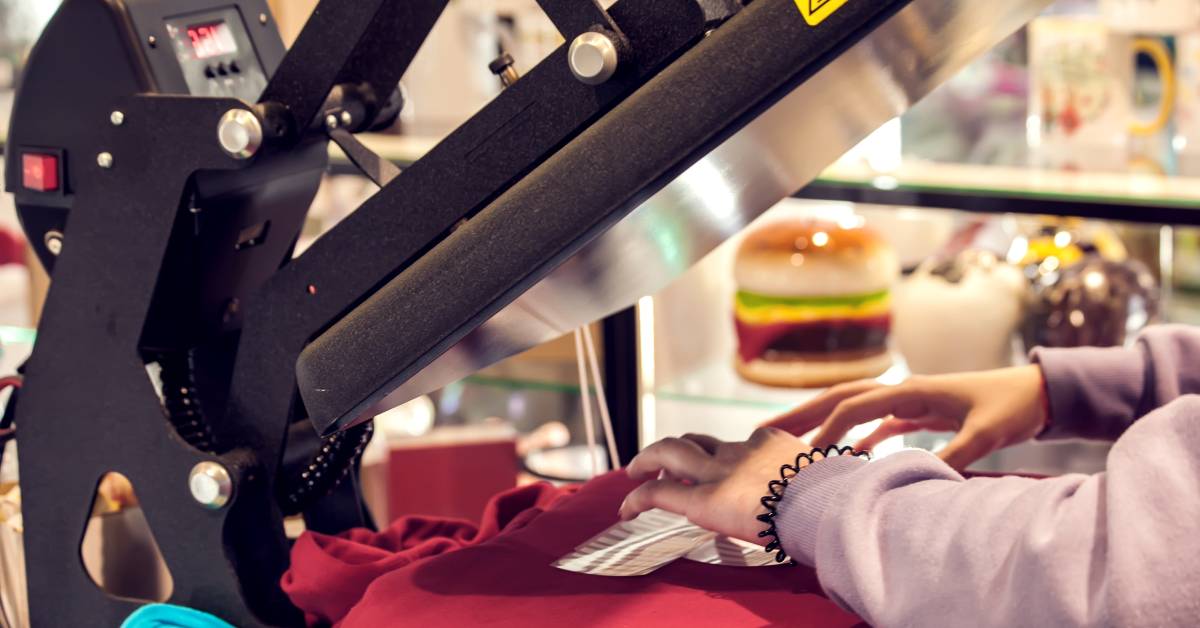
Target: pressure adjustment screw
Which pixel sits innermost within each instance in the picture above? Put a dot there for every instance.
(240, 133)
(505, 68)
(593, 57)
(210, 484)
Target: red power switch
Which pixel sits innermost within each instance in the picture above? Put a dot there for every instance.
(39, 172)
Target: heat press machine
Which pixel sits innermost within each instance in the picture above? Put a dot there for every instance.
(163, 155)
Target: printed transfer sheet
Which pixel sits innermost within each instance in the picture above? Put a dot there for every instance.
(656, 538)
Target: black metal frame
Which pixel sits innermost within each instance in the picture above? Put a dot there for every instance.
(108, 277)
(88, 406)
(328, 319)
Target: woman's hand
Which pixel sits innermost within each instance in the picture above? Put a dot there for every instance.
(716, 485)
(988, 409)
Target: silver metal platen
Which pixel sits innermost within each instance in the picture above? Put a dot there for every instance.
(210, 484)
(593, 57)
(240, 133)
(769, 159)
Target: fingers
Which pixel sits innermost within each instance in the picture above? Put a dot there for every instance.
(811, 414)
(966, 447)
(904, 400)
(887, 429)
(766, 433)
(678, 457)
(670, 496)
(708, 443)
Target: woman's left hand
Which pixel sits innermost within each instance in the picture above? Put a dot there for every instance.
(716, 485)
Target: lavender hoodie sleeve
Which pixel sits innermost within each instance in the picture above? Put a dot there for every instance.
(906, 541)
(1098, 393)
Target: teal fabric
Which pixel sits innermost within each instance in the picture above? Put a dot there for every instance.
(171, 616)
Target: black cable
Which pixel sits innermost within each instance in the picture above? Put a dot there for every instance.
(182, 400)
(329, 466)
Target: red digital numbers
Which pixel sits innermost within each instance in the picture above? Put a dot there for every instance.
(210, 40)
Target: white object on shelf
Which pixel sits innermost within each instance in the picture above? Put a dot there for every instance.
(572, 462)
(964, 323)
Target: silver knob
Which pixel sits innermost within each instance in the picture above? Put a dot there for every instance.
(593, 58)
(53, 241)
(240, 133)
(210, 484)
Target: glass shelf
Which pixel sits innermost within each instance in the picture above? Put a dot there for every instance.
(916, 175)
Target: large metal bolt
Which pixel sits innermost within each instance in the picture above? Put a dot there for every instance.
(210, 484)
(593, 57)
(104, 160)
(240, 133)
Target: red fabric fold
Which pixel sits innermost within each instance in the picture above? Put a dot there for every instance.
(426, 572)
(329, 574)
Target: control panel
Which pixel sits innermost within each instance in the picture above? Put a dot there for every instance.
(91, 58)
(216, 55)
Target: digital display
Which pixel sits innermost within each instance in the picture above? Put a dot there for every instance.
(210, 40)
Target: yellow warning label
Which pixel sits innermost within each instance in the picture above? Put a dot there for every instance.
(815, 11)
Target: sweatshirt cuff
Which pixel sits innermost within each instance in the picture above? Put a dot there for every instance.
(1092, 392)
(805, 501)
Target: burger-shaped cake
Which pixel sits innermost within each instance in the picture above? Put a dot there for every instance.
(813, 304)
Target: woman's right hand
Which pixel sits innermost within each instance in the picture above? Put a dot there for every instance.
(988, 410)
